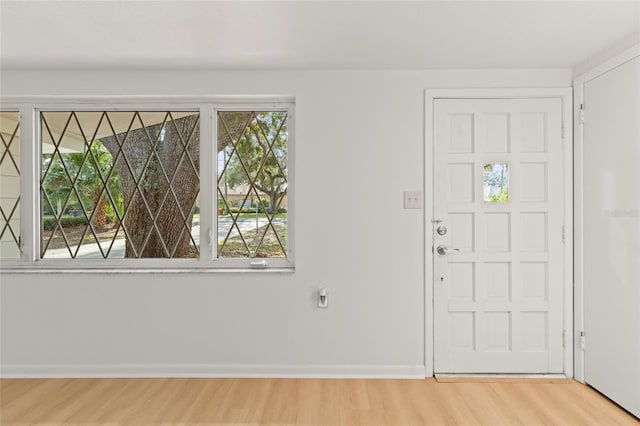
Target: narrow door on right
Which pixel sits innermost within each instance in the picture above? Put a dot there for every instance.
(611, 176)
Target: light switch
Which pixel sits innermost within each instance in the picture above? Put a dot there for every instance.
(412, 199)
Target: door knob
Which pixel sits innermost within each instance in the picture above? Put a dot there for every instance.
(442, 250)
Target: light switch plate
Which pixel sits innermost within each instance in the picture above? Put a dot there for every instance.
(412, 199)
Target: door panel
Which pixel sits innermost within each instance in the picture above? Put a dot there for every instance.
(498, 191)
(611, 270)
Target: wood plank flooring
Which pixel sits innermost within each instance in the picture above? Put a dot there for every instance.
(191, 402)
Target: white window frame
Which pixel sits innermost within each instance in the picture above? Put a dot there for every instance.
(30, 200)
(260, 263)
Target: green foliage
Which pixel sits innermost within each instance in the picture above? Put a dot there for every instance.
(111, 212)
(262, 152)
(245, 214)
(76, 180)
(262, 205)
(49, 222)
(243, 210)
(502, 196)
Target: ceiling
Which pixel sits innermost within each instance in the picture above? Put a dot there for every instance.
(309, 34)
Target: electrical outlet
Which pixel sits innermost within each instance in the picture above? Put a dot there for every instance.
(412, 199)
(323, 298)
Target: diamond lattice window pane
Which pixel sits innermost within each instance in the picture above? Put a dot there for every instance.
(252, 184)
(9, 185)
(120, 184)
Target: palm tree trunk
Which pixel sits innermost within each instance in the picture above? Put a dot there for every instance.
(100, 214)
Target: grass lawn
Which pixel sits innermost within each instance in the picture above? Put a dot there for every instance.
(270, 247)
(252, 216)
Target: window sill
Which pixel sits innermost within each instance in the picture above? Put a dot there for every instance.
(119, 270)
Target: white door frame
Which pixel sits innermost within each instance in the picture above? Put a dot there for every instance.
(565, 95)
(578, 98)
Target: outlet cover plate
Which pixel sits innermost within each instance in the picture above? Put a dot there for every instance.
(412, 199)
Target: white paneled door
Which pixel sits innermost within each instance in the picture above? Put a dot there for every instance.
(498, 236)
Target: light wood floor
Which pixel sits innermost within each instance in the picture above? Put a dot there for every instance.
(149, 402)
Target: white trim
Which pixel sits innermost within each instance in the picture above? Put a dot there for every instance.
(563, 93)
(501, 376)
(608, 65)
(208, 167)
(578, 91)
(151, 100)
(497, 93)
(428, 233)
(29, 198)
(160, 269)
(41, 371)
(578, 192)
(567, 145)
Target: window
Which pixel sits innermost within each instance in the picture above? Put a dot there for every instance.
(252, 184)
(10, 185)
(197, 185)
(119, 184)
(496, 182)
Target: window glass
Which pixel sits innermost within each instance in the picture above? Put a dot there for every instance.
(496, 182)
(119, 184)
(252, 184)
(9, 185)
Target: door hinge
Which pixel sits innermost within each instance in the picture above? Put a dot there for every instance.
(583, 345)
(564, 338)
(581, 114)
(562, 130)
(563, 234)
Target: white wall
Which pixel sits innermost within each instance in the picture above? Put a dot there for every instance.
(359, 145)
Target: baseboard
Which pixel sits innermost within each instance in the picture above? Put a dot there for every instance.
(32, 371)
(502, 378)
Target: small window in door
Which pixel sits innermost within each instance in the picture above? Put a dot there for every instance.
(496, 182)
